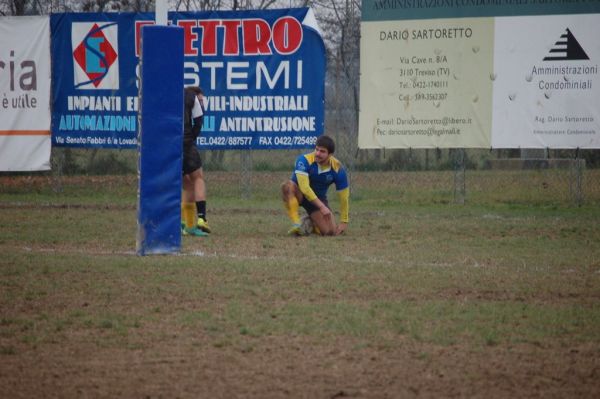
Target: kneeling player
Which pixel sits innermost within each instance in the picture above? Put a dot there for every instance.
(313, 174)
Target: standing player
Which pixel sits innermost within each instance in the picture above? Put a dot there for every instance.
(313, 174)
(193, 206)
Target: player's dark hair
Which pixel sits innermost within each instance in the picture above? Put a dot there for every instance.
(195, 89)
(326, 142)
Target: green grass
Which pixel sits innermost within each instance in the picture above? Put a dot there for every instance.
(410, 269)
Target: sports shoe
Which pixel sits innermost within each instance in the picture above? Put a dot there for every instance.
(306, 226)
(295, 230)
(193, 231)
(203, 225)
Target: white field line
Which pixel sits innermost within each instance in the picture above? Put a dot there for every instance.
(214, 255)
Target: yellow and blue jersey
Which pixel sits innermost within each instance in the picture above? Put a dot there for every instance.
(321, 178)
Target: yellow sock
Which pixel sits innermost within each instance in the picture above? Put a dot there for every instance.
(292, 206)
(189, 214)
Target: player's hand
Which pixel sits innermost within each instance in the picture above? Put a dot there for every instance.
(341, 228)
(326, 212)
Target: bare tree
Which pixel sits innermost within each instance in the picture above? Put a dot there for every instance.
(14, 7)
(205, 5)
(339, 21)
(44, 7)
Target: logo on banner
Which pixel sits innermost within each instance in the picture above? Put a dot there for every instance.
(567, 48)
(95, 52)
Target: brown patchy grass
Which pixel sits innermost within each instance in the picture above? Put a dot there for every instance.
(419, 299)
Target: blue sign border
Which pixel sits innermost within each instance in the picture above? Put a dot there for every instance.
(254, 100)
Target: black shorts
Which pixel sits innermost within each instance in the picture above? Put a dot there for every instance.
(191, 158)
(309, 207)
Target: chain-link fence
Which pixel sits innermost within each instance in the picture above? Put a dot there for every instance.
(452, 176)
(433, 176)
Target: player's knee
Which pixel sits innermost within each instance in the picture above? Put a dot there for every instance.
(329, 232)
(325, 231)
(196, 175)
(284, 191)
(288, 188)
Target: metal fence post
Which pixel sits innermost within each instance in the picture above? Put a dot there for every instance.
(576, 180)
(57, 161)
(246, 173)
(459, 177)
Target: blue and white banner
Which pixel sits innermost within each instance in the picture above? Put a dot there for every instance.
(94, 80)
(262, 72)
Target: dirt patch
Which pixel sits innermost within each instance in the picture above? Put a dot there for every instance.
(83, 317)
(277, 367)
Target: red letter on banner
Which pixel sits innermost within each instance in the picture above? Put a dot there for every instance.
(189, 36)
(232, 37)
(257, 34)
(287, 35)
(209, 36)
(138, 34)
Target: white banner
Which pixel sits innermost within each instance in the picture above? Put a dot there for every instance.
(547, 85)
(426, 83)
(502, 82)
(24, 93)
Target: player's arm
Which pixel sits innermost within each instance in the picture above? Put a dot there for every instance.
(197, 114)
(343, 190)
(344, 196)
(309, 194)
(196, 126)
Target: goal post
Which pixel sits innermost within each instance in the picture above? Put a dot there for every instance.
(160, 140)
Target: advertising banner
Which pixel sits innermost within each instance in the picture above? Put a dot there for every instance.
(262, 72)
(94, 80)
(547, 87)
(472, 79)
(24, 94)
(420, 92)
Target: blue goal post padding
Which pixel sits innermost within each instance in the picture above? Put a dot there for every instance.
(160, 140)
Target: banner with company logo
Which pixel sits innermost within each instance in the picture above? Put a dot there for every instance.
(547, 82)
(94, 80)
(262, 72)
(24, 94)
(505, 75)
